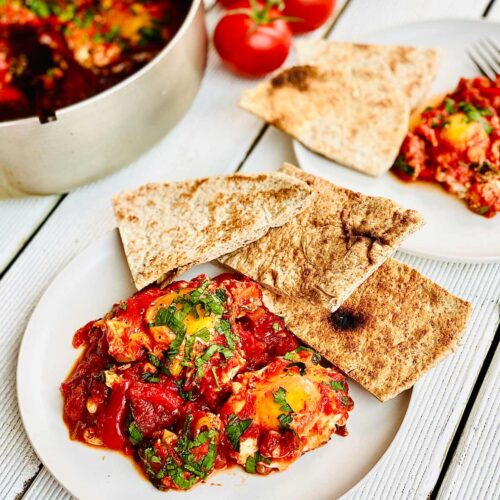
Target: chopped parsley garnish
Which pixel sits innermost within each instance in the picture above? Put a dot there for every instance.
(114, 32)
(221, 294)
(150, 377)
(290, 356)
(134, 433)
(276, 327)
(251, 463)
(216, 379)
(285, 420)
(39, 7)
(123, 305)
(185, 395)
(449, 106)
(401, 164)
(172, 317)
(203, 334)
(154, 360)
(475, 114)
(345, 400)
(482, 210)
(337, 385)
(224, 327)
(196, 469)
(235, 429)
(195, 295)
(207, 355)
(280, 398)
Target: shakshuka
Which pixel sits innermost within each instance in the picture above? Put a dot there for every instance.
(457, 144)
(198, 376)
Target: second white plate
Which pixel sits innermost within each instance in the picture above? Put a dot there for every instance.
(451, 231)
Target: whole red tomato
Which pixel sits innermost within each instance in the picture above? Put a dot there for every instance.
(252, 38)
(310, 14)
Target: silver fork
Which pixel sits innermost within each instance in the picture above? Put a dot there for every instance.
(485, 55)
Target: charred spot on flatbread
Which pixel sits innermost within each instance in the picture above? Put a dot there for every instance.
(296, 77)
(346, 320)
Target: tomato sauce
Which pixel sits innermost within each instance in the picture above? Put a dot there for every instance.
(456, 143)
(54, 53)
(161, 402)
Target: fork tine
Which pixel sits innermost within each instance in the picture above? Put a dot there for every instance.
(490, 56)
(483, 69)
(493, 45)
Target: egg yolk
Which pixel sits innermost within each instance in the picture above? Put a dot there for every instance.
(301, 394)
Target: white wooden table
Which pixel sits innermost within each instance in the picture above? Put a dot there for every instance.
(449, 444)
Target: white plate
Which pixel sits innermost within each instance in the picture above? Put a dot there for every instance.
(85, 290)
(452, 231)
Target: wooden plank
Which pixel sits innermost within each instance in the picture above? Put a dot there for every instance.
(474, 470)
(20, 217)
(213, 138)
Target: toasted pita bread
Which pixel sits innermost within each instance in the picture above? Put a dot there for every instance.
(170, 227)
(396, 326)
(413, 68)
(328, 250)
(353, 115)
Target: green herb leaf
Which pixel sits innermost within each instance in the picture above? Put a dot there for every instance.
(176, 473)
(401, 164)
(276, 327)
(449, 106)
(207, 355)
(251, 463)
(224, 327)
(337, 385)
(150, 377)
(345, 400)
(235, 429)
(482, 210)
(203, 334)
(134, 433)
(474, 114)
(290, 356)
(154, 360)
(209, 459)
(39, 7)
(280, 398)
(221, 294)
(285, 420)
(216, 379)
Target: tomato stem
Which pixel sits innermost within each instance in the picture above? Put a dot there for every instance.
(259, 14)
